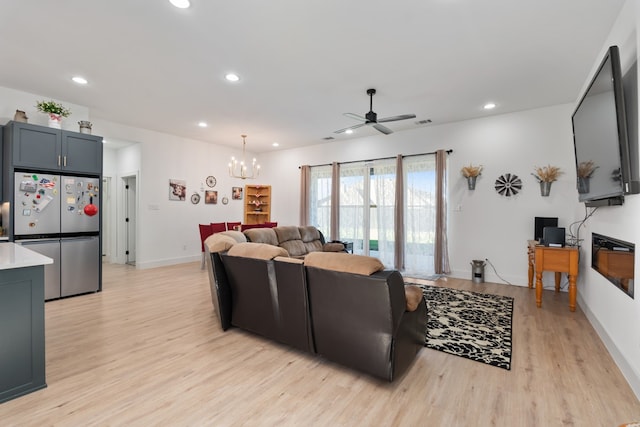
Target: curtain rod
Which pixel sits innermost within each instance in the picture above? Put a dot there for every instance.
(381, 158)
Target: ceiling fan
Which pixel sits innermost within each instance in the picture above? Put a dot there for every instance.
(371, 118)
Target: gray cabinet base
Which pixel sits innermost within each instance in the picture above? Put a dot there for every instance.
(22, 353)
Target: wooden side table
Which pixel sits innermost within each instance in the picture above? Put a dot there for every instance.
(558, 260)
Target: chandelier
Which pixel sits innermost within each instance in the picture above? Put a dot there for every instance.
(238, 169)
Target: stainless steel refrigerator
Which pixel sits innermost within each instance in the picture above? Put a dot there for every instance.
(59, 216)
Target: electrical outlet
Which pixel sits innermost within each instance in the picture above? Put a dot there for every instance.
(184, 247)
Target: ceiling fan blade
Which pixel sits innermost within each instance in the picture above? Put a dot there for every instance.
(354, 116)
(383, 129)
(395, 118)
(350, 127)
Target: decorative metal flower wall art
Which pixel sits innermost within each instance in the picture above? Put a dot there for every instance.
(508, 185)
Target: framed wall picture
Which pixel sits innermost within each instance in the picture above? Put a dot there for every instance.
(177, 189)
(210, 197)
(236, 193)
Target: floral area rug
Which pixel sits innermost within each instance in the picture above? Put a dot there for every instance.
(469, 324)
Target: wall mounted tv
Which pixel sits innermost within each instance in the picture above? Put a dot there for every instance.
(606, 172)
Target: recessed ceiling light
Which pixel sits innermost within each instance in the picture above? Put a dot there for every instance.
(489, 106)
(275, 144)
(182, 4)
(104, 141)
(348, 131)
(80, 80)
(203, 124)
(232, 77)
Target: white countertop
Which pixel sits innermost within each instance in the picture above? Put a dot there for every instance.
(17, 256)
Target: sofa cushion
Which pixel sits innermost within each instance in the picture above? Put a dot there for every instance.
(256, 250)
(333, 247)
(287, 232)
(294, 247)
(262, 235)
(236, 235)
(340, 261)
(219, 242)
(309, 233)
(290, 239)
(313, 246)
(413, 294)
(289, 260)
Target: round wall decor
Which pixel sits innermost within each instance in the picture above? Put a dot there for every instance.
(225, 200)
(508, 185)
(195, 198)
(211, 181)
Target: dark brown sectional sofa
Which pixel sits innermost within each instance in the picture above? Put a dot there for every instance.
(344, 307)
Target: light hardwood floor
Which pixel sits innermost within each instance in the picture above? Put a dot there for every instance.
(149, 351)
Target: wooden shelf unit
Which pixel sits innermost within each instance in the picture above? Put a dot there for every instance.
(257, 204)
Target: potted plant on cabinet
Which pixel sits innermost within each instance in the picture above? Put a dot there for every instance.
(56, 112)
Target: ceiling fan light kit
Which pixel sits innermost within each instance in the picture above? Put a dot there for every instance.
(371, 118)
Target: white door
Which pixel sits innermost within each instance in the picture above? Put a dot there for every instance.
(107, 206)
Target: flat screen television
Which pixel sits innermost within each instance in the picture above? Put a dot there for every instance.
(600, 137)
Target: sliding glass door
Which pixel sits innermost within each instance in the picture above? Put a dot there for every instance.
(367, 213)
(320, 199)
(367, 200)
(419, 214)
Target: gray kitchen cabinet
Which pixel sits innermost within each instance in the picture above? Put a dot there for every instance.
(22, 353)
(48, 149)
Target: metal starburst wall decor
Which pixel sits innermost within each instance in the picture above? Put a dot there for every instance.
(508, 185)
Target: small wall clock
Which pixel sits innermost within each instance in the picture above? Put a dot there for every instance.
(225, 200)
(195, 198)
(508, 185)
(211, 181)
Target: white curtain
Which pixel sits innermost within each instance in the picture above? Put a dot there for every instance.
(420, 214)
(320, 199)
(352, 206)
(366, 201)
(382, 219)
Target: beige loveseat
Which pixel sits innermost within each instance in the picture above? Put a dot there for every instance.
(298, 241)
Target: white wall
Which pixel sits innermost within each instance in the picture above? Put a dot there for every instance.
(615, 315)
(168, 230)
(483, 224)
(12, 100)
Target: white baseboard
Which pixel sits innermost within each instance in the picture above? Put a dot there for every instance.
(167, 262)
(632, 377)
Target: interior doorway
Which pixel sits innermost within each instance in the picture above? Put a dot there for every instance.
(130, 218)
(107, 225)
